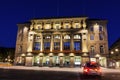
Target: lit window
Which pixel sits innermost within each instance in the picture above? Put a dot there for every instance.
(92, 49)
(37, 46)
(77, 59)
(37, 37)
(48, 26)
(77, 36)
(56, 45)
(47, 37)
(25, 29)
(91, 37)
(66, 37)
(56, 37)
(101, 49)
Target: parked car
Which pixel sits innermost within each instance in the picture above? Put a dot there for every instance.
(91, 68)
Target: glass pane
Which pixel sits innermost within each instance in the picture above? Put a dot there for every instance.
(77, 46)
(66, 45)
(37, 46)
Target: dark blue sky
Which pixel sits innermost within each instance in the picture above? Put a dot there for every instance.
(17, 11)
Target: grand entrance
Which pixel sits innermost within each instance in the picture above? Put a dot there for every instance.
(57, 61)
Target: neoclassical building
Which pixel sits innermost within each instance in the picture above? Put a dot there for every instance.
(65, 41)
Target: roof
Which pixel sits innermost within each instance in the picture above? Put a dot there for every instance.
(54, 17)
(117, 42)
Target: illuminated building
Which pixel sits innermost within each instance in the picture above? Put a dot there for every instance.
(67, 41)
(114, 55)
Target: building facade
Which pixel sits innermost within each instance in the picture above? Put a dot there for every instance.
(114, 55)
(61, 42)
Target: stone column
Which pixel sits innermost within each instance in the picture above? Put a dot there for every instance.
(41, 46)
(71, 43)
(51, 44)
(30, 41)
(84, 41)
(61, 61)
(84, 24)
(40, 61)
(71, 61)
(51, 61)
(61, 43)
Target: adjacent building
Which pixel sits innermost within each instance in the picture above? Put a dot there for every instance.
(114, 54)
(65, 41)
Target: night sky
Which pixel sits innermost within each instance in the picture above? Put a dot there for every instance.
(13, 12)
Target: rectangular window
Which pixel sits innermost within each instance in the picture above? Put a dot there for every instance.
(66, 45)
(20, 49)
(101, 49)
(56, 45)
(37, 46)
(77, 46)
(91, 28)
(91, 37)
(100, 28)
(46, 45)
(101, 36)
(92, 50)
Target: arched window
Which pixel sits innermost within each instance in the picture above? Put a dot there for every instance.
(47, 37)
(77, 36)
(57, 37)
(66, 37)
(37, 37)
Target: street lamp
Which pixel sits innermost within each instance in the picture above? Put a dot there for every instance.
(116, 50)
(112, 52)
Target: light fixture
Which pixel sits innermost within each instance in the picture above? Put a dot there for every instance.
(116, 50)
(112, 52)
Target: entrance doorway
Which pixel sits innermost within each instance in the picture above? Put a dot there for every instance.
(67, 61)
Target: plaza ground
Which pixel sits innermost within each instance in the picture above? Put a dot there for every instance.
(53, 73)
